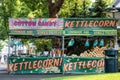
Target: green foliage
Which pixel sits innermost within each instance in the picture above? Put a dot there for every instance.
(84, 12)
(3, 33)
(1, 46)
(36, 8)
(99, 9)
(68, 9)
(109, 2)
(40, 43)
(118, 34)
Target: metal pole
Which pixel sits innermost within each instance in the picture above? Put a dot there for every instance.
(9, 40)
(63, 41)
(63, 45)
(116, 46)
(113, 13)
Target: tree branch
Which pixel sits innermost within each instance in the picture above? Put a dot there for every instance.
(59, 5)
(54, 7)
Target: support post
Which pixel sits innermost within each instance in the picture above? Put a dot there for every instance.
(9, 40)
(63, 45)
(63, 41)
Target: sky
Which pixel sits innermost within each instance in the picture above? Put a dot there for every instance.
(93, 0)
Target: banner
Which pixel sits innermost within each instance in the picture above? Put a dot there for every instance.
(90, 26)
(83, 65)
(83, 32)
(36, 32)
(90, 23)
(34, 65)
(35, 23)
(63, 27)
(55, 65)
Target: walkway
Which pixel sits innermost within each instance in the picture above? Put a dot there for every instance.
(3, 66)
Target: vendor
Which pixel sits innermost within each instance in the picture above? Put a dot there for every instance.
(46, 51)
(46, 48)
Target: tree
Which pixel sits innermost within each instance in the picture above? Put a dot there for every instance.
(74, 7)
(85, 9)
(99, 9)
(54, 7)
(35, 8)
(4, 20)
(109, 2)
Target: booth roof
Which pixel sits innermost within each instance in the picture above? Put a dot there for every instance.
(32, 37)
(66, 37)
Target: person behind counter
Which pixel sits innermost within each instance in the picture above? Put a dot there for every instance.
(46, 51)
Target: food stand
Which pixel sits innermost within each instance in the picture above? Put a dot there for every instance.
(62, 28)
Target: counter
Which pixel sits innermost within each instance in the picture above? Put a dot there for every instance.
(38, 65)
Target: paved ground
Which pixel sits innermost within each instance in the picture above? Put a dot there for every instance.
(3, 66)
(26, 77)
(5, 76)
